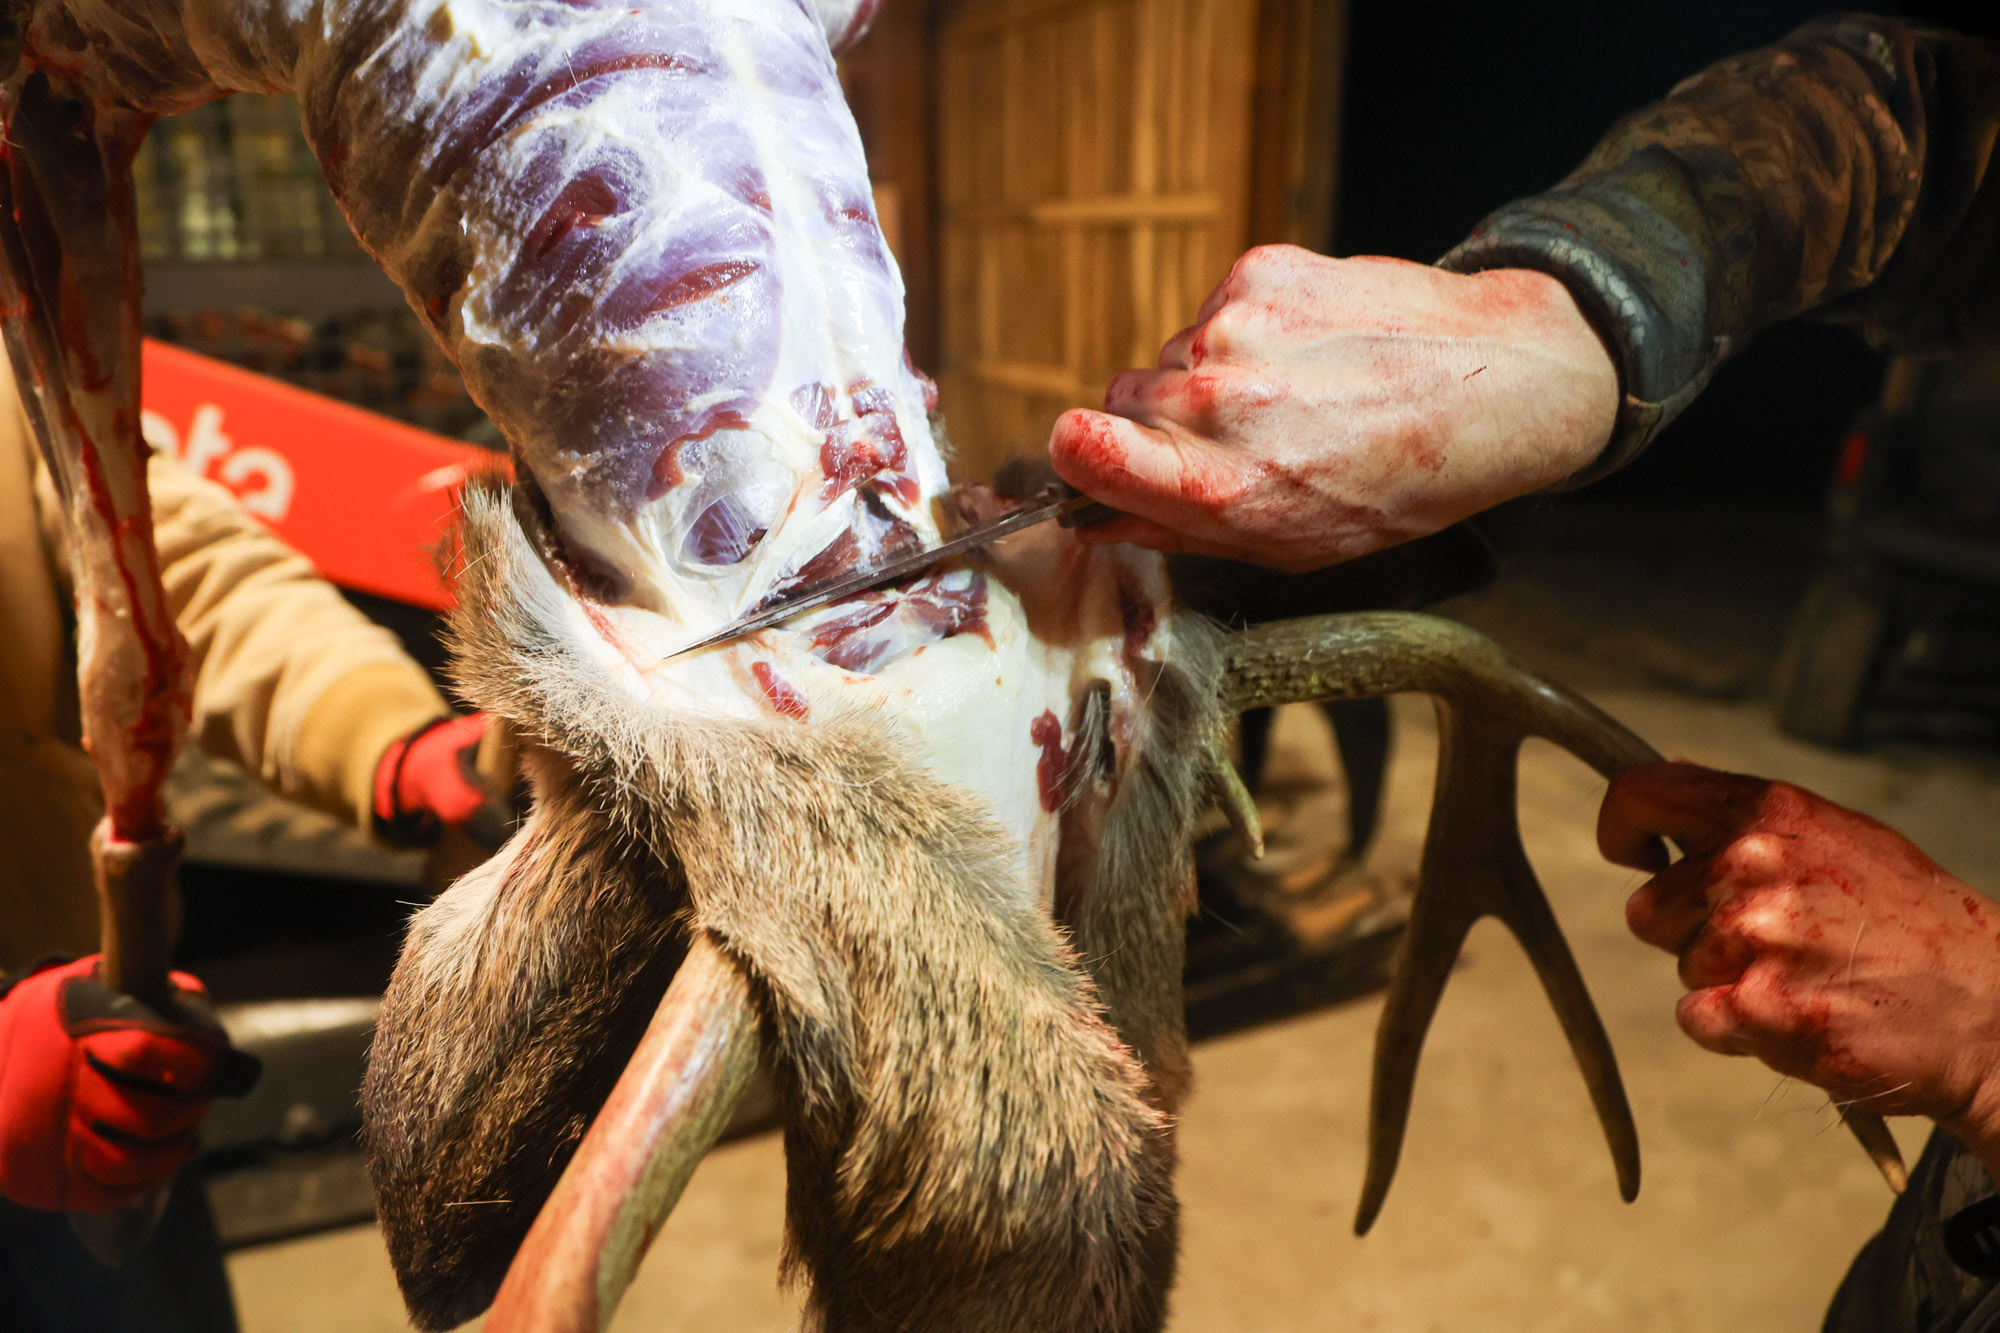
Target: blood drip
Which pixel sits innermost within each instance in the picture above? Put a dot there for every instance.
(781, 696)
(1052, 769)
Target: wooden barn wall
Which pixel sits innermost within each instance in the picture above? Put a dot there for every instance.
(1098, 166)
(890, 84)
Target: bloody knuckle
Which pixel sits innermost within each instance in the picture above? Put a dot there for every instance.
(1763, 924)
(1753, 857)
(1783, 804)
(1767, 999)
(1260, 261)
(1707, 1015)
(1226, 329)
(1754, 916)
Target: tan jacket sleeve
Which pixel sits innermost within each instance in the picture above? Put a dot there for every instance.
(290, 680)
(49, 797)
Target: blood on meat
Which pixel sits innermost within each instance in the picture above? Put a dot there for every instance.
(842, 643)
(667, 466)
(782, 696)
(705, 281)
(946, 611)
(584, 202)
(1053, 768)
(869, 446)
(1139, 616)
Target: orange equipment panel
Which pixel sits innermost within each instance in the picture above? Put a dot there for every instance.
(367, 498)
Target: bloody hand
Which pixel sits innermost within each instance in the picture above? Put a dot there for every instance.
(99, 1094)
(429, 782)
(1818, 940)
(1323, 408)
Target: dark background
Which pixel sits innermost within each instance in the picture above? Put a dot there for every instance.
(1452, 109)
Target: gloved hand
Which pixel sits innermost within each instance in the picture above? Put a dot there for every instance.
(99, 1094)
(434, 780)
(1320, 409)
(1819, 941)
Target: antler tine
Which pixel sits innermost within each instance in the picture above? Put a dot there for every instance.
(1488, 703)
(1474, 846)
(1534, 925)
(668, 1108)
(1238, 805)
(1436, 932)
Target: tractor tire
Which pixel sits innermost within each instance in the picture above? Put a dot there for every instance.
(1832, 657)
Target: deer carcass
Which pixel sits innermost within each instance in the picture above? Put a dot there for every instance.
(926, 849)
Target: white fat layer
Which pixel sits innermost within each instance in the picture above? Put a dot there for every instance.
(768, 101)
(840, 311)
(965, 706)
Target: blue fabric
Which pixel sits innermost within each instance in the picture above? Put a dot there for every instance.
(49, 1283)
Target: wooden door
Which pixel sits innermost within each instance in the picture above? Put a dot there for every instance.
(1094, 182)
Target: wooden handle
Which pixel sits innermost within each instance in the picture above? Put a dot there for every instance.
(138, 911)
(138, 918)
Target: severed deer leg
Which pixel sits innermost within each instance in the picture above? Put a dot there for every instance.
(69, 273)
(1474, 865)
(69, 278)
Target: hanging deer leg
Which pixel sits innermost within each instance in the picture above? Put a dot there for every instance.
(69, 277)
(668, 1108)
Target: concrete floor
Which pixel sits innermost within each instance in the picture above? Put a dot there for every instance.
(1505, 1216)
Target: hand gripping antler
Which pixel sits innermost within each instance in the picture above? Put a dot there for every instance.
(1488, 703)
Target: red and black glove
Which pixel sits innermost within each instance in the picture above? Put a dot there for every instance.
(100, 1094)
(429, 781)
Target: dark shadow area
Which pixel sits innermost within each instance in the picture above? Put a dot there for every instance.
(1616, 593)
(1452, 110)
(256, 934)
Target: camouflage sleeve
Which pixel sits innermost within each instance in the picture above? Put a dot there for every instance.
(1850, 170)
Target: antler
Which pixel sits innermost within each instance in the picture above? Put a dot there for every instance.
(1488, 702)
(668, 1108)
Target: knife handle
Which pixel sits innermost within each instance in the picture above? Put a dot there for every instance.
(138, 918)
(1084, 516)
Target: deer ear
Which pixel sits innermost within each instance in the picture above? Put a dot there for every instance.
(520, 994)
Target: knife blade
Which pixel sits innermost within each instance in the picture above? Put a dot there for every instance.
(1066, 506)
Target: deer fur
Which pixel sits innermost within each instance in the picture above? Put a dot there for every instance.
(979, 1100)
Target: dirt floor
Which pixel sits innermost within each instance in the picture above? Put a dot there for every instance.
(1504, 1216)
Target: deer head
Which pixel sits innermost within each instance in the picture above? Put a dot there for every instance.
(925, 853)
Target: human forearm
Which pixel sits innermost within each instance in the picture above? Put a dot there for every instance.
(1977, 1125)
(1844, 170)
(1322, 408)
(291, 681)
